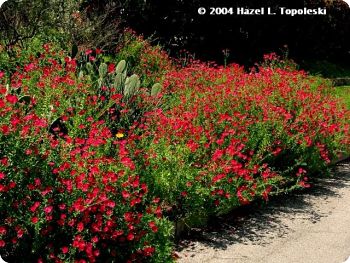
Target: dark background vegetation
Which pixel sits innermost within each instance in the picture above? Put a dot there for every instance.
(176, 25)
(247, 37)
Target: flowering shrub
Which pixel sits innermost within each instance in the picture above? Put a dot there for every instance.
(69, 191)
(149, 62)
(272, 60)
(227, 137)
(83, 180)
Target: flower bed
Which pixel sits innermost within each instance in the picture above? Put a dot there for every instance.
(227, 137)
(95, 168)
(69, 191)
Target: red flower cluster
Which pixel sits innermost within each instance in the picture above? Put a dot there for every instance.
(69, 189)
(82, 182)
(227, 136)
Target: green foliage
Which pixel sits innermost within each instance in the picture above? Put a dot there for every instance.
(96, 138)
(343, 92)
(275, 61)
(151, 63)
(326, 68)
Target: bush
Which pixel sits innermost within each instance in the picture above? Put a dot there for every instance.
(148, 61)
(95, 168)
(69, 191)
(228, 137)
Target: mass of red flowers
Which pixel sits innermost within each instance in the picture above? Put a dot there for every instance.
(230, 136)
(68, 186)
(79, 185)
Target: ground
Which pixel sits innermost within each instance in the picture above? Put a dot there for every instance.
(305, 227)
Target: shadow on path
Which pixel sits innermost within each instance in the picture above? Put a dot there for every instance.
(260, 223)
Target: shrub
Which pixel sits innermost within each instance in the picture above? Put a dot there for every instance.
(227, 137)
(148, 61)
(69, 191)
(94, 168)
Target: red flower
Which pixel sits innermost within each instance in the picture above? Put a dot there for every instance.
(265, 194)
(34, 207)
(136, 182)
(217, 154)
(65, 250)
(111, 68)
(35, 220)
(11, 98)
(48, 209)
(148, 251)
(300, 172)
(110, 204)
(128, 163)
(218, 177)
(130, 237)
(243, 200)
(2, 243)
(80, 226)
(2, 230)
(304, 183)
(184, 193)
(4, 161)
(128, 217)
(135, 201)
(29, 67)
(5, 129)
(79, 243)
(193, 146)
(20, 233)
(277, 151)
(153, 226)
(78, 205)
(125, 194)
(156, 200)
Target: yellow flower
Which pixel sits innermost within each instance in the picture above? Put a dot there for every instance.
(119, 135)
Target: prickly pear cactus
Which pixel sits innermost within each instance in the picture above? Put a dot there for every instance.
(90, 68)
(119, 80)
(156, 89)
(121, 67)
(132, 85)
(102, 70)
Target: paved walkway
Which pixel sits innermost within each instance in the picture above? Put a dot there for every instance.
(306, 227)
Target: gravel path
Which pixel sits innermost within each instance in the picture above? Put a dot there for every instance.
(305, 227)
